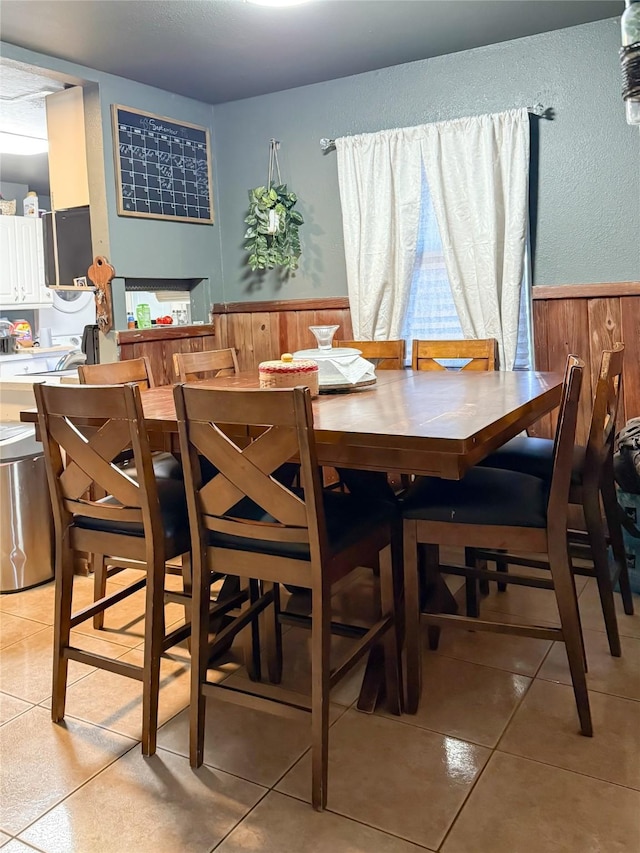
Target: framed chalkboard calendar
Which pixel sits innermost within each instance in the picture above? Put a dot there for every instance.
(163, 167)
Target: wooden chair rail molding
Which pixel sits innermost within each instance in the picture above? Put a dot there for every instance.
(159, 344)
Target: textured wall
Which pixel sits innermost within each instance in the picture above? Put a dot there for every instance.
(588, 194)
(141, 248)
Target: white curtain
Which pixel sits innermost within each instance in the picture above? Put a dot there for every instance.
(379, 176)
(478, 174)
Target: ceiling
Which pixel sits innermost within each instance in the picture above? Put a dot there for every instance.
(223, 50)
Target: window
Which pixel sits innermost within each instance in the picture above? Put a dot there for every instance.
(431, 313)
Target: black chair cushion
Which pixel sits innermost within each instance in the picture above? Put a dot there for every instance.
(165, 466)
(533, 456)
(348, 520)
(484, 496)
(173, 509)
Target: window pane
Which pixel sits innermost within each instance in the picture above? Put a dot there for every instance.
(431, 313)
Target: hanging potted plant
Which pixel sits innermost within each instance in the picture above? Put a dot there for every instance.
(272, 238)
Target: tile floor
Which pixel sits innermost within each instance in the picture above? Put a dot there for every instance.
(491, 763)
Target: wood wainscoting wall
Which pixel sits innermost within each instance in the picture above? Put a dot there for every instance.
(159, 344)
(261, 331)
(585, 319)
(570, 318)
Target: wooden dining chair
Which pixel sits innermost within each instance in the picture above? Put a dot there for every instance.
(192, 366)
(482, 354)
(492, 508)
(591, 482)
(165, 464)
(259, 528)
(141, 518)
(136, 370)
(386, 355)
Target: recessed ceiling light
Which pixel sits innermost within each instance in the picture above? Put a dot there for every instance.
(15, 143)
(278, 2)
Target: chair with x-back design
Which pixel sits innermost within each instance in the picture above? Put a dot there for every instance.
(258, 528)
(142, 518)
(482, 354)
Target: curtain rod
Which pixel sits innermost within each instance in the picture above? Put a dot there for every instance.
(536, 110)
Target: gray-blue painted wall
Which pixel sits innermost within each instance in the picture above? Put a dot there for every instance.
(588, 213)
(588, 191)
(146, 248)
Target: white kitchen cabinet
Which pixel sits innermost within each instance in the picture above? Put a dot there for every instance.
(22, 282)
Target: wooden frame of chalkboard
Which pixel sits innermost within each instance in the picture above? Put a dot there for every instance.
(163, 167)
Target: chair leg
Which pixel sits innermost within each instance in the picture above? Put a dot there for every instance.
(565, 590)
(272, 630)
(187, 589)
(611, 509)
(392, 667)
(199, 658)
(99, 568)
(598, 545)
(320, 673)
(471, 585)
(187, 585)
(62, 628)
(251, 635)
(413, 663)
(503, 567)
(153, 637)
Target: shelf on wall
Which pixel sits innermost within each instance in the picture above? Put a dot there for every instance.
(72, 287)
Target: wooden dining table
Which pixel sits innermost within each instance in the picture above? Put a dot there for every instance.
(410, 422)
(416, 422)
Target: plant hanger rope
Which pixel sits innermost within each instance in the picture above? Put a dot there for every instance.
(271, 238)
(273, 161)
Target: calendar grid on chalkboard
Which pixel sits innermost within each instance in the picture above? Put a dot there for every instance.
(163, 167)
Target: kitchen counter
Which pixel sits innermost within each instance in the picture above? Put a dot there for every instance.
(33, 352)
(16, 392)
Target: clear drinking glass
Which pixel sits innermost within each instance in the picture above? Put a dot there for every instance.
(324, 335)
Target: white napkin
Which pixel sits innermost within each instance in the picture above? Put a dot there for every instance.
(354, 369)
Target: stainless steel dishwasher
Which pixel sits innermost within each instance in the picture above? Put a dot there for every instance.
(26, 522)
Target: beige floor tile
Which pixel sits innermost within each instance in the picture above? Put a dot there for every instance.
(397, 778)
(17, 846)
(522, 655)
(36, 603)
(591, 611)
(146, 805)
(43, 762)
(520, 805)
(4, 838)
(115, 702)
(124, 622)
(529, 603)
(281, 824)
(466, 701)
(16, 628)
(296, 671)
(27, 665)
(11, 707)
(255, 745)
(545, 728)
(618, 676)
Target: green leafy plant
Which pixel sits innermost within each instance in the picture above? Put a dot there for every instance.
(272, 238)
